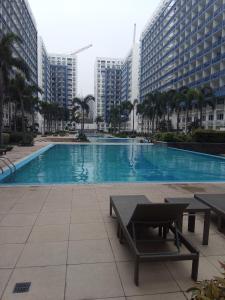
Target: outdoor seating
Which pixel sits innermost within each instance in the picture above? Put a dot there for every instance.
(194, 207)
(217, 204)
(135, 219)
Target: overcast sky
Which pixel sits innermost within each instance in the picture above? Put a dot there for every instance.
(67, 25)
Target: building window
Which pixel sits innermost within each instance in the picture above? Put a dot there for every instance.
(211, 117)
(220, 117)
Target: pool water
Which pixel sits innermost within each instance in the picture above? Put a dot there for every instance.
(99, 163)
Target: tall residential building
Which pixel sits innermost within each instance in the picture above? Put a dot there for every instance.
(63, 78)
(108, 75)
(184, 45)
(130, 82)
(16, 17)
(44, 74)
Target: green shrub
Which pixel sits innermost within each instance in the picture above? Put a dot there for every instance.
(82, 138)
(16, 137)
(6, 138)
(173, 137)
(210, 289)
(27, 140)
(208, 136)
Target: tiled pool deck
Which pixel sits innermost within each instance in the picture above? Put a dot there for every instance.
(62, 240)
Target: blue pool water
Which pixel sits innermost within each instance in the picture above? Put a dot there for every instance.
(98, 163)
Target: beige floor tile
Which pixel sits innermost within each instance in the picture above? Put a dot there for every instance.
(57, 206)
(49, 233)
(111, 229)
(18, 220)
(89, 204)
(93, 281)
(88, 231)
(60, 194)
(6, 205)
(86, 216)
(10, 235)
(154, 278)
(9, 254)
(168, 296)
(46, 283)
(119, 298)
(43, 254)
(216, 245)
(181, 272)
(121, 251)
(4, 276)
(215, 260)
(55, 218)
(84, 195)
(89, 251)
(27, 207)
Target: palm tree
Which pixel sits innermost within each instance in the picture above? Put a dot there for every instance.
(188, 96)
(44, 108)
(7, 63)
(126, 108)
(177, 107)
(115, 117)
(21, 89)
(134, 105)
(141, 112)
(98, 120)
(83, 103)
(204, 96)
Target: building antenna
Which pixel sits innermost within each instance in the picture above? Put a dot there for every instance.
(134, 38)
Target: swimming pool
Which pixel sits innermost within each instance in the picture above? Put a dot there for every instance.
(101, 163)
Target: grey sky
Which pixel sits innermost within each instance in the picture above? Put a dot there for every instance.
(108, 24)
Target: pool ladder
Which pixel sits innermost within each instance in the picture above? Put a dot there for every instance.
(8, 163)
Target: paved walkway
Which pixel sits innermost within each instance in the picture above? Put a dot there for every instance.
(62, 240)
(19, 152)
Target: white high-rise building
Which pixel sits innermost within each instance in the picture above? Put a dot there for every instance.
(63, 78)
(130, 83)
(44, 78)
(108, 72)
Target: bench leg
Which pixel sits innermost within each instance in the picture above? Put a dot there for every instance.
(220, 223)
(136, 271)
(206, 228)
(191, 223)
(110, 209)
(194, 273)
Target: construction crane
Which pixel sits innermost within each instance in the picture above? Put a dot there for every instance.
(82, 49)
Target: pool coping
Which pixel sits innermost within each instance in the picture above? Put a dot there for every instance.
(20, 163)
(25, 160)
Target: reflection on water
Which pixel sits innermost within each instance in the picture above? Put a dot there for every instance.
(96, 163)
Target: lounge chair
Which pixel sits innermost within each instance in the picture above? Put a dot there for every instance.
(132, 223)
(217, 204)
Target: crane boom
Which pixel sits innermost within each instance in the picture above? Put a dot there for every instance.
(82, 49)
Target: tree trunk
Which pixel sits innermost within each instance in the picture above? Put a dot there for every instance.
(23, 119)
(168, 120)
(186, 121)
(178, 118)
(142, 124)
(82, 130)
(133, 120)
(201, 113)
(44, 125)
(1, 108)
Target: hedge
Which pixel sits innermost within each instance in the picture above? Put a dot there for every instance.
(208, 136)
(6, 138)
(18, 138)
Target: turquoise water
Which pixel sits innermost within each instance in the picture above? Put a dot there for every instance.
(96, 163)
